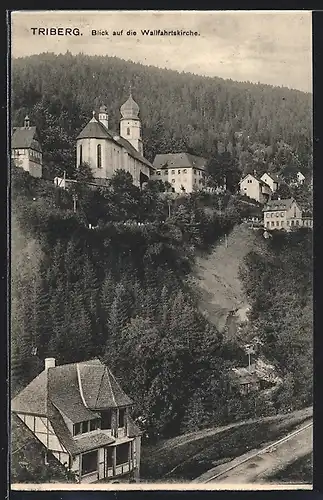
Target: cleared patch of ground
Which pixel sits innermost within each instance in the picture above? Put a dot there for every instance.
(216, 276)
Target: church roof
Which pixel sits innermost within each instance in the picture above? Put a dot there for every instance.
(96, 130)
(25, 138)
(170, 160)
(130, 109)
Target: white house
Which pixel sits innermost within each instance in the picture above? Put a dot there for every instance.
(271, 179)
(26, 150)
(282, 214)
(184, 171)
(82, 416)
(300, 177)
(255, 188)
(107, 151)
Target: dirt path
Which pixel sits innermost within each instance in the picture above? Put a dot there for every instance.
(265, 464)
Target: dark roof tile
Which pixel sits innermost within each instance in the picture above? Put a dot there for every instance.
(23, 137)
(33, 398)
(175, 160)
(64, 392)
(273, 205)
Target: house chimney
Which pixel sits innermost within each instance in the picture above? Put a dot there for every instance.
(49, 363)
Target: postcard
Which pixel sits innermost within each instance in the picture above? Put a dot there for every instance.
(161, 174)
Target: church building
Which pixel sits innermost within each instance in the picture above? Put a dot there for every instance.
(107, 151)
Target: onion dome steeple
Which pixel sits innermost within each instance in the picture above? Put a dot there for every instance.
(130, 109)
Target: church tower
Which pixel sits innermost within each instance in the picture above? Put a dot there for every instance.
(103, 116)
(130, 126)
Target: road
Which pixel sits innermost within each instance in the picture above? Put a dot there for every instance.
(256, 466)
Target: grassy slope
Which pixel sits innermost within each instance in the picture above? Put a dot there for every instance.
(216, 275)
(192, 455)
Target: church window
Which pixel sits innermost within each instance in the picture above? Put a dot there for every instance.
(282, 214)
(173, 172)
(99, 156)
(184, 171)
(179, 171)
(128, 130)
(173, 181)
(81, 155)
(166, 172)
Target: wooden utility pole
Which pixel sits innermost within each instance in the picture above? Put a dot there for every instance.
(74, 202)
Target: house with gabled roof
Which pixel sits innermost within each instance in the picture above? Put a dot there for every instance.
(184, 171)
(82, 416)
(255, 188)
(282, 214)
(26, 150)
(107, 151)
(271, 179)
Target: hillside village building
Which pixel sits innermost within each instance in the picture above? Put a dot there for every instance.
(107, 151)
(283, 214)
(26, 150)
(255, 188)
(271, 179)
(82, 416)
(184, 171)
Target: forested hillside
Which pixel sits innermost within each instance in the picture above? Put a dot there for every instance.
(278, 280)
(116, 292)
(258, 126)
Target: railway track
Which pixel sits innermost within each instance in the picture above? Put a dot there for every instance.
(268, 448)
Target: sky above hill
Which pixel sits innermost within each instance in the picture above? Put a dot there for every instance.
(273, 47)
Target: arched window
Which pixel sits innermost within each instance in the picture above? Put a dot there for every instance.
(128, 130)
(81, 155)
(98, 156)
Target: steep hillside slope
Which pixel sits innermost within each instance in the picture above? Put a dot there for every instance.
(216, 278)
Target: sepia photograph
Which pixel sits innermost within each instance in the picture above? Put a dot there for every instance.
(161, 226)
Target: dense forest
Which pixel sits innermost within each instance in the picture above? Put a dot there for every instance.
(278, 280)
(116, 291)
(258, 126)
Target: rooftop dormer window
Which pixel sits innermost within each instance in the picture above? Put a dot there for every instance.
(86, 426)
